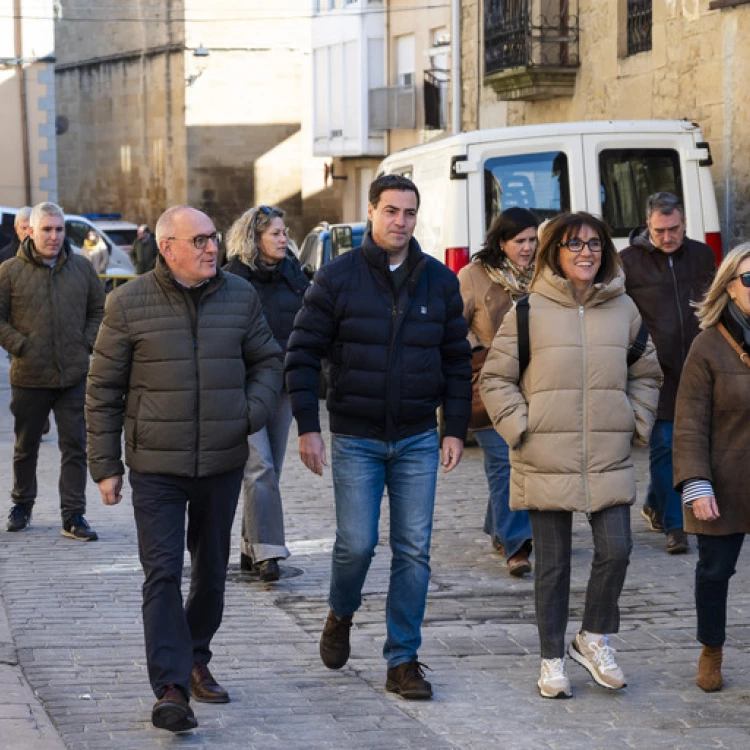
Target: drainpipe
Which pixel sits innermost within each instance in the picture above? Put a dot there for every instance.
(18, 44)
(456, 64)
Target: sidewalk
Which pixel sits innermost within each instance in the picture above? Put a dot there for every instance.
(74, 612)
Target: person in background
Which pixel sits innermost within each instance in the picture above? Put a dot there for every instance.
(570, 423)
(22, 227)
(51, 305)
(497, 277)
(144, 250)
(95, 250)
(711, 449)
(257, 251)
(665, 272)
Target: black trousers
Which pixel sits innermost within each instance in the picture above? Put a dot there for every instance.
(178, 637)
(552, 536)
(717, 558)
(30, 408)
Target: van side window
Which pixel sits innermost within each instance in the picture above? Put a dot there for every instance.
(538, 182)
(76, 232)
(628, 176)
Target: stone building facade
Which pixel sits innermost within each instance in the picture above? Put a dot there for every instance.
(694, 69)
(184, 102)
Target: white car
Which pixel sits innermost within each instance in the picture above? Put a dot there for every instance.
(122, 233)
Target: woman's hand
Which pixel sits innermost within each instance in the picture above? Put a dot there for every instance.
(705, 508)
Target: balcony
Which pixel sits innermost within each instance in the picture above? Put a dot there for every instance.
(392, 108)
(531, 48)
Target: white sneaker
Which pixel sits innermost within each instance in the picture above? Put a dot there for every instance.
(598, 657)
(553, 681)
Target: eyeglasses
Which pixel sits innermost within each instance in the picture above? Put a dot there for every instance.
(743, 277)
(201, 240)
(576, 246)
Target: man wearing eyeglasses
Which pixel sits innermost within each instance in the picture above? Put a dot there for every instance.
(186, 361)
(665, 272)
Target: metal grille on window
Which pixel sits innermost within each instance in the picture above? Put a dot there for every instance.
(525, 33)
(639, 26)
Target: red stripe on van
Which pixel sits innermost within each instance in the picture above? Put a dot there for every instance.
(456, 258)
(713, 240)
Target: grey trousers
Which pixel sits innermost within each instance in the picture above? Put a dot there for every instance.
(262, 514)
(552, 535)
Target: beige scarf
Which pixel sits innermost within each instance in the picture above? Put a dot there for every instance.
(512, 277)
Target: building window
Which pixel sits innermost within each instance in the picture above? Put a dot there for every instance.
(530, 33)
(639, 26)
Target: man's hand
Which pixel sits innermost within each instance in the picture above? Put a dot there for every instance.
(705, 508)
(451, 452)
(312, 451)
(111, 487)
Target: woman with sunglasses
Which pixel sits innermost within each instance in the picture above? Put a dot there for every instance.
(491, 284)
(570, 423)
(711, 449)
(257, 250)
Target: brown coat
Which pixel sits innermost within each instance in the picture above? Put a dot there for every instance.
(571, 422)
(712, 431)
(485, 304)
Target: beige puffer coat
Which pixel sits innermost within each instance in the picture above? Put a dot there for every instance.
(571, 423)
(485, 304)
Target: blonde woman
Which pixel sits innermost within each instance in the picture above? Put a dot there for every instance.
(711, 448)
(257, 248)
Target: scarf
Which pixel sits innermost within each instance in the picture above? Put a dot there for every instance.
(513, 278)
(743, 320)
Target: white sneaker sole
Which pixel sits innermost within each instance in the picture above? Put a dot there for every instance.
(561, 693)
(577, 656)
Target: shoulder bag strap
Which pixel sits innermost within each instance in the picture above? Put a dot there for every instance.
(524, 345)
(744, 356)
(638, 346)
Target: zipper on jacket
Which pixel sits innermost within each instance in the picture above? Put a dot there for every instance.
(392, 337)
(193, 320)
(585, 357)
(679, 309)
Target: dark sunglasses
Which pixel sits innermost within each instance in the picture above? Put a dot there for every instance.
(743, 277)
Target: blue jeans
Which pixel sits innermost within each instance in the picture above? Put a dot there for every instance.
(262, 514)
(362, 469)
(509, 527)
(661, 494)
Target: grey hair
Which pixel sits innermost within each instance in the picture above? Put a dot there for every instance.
(165, 224)
(23, 214)
(711, 307)
(663, 202)
(243, 237)
(44, 209)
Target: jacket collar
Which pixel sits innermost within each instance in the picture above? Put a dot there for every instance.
(167, 280)
(641, 238)
(29, 253)
(558, 289)
(378, 258)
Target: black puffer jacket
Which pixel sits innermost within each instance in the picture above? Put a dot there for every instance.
(49, 317)
(393, 361)
(189, 384)
(662, 286)
(281, 288)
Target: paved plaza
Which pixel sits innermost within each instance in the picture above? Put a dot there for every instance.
(74, 675)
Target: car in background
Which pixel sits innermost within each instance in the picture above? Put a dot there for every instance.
(327, 242)
(119, 266)
(122, 233)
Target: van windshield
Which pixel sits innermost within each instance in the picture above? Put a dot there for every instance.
(628, 177)
(538, 182)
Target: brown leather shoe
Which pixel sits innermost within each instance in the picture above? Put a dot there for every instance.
(407, 680)
(518, 564)
(172, 711)
(204, 688)
(677, 542)
(708, 678)
(334, 642)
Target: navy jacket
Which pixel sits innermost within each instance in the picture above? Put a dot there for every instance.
(280, 289)
(393, 358)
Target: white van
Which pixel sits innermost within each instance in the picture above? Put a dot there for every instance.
(606, 168)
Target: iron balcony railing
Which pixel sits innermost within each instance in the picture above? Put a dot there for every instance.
(639, 26)
(530, 33)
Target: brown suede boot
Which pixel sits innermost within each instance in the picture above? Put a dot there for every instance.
(708, 678)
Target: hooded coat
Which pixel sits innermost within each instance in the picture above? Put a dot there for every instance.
(571, 421)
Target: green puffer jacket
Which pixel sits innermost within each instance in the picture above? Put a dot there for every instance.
(189, 385)
(49, 317)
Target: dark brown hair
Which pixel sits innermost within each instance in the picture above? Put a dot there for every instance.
(505, 226)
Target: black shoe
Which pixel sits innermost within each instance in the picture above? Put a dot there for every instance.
(407, 680)
(246, 563)
(19, 517)
(77, 527)
(269, 571)
(172, 711)
(334, 642)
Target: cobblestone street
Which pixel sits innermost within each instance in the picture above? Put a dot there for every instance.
(75, 621)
